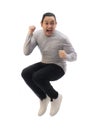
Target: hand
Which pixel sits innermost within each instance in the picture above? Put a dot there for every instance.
(31, 29)
(62, 54)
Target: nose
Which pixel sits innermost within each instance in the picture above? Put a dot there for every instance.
(49, 25)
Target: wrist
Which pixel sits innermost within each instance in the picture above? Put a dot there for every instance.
(30, 32)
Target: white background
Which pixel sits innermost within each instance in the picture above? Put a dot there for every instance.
(78, 19)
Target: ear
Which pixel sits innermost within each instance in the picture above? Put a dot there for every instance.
(55, 23)
(41, 24)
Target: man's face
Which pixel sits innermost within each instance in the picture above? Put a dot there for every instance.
(49, 25)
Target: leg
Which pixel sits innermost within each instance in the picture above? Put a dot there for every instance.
(46, 74)
(27, 76)
(42, 78)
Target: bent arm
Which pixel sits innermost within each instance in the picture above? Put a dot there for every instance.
(71, 55)
(29, 44)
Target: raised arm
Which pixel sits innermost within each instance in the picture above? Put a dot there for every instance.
(30, 42)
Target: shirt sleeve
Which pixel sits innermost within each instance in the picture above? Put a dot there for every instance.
(29, 45)
(70, 51)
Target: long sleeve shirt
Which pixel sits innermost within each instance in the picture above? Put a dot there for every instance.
(49, 47)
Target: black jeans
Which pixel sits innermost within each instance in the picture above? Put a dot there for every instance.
(38, 77)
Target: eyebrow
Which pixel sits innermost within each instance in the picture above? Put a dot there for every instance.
(48, 21)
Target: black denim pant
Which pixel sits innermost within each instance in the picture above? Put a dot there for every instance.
(38, 77)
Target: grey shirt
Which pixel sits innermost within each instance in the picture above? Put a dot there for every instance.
(49, 47)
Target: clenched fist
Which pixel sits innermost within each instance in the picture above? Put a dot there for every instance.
(62, 54)
(31, 29)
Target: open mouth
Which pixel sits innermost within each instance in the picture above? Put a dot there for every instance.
(49, 31)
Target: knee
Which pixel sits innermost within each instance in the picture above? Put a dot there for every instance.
(23, 73)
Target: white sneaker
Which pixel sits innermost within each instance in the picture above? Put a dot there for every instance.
(55, 105)
(43, 106)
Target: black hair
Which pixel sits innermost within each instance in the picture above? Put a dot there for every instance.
(48, 14)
